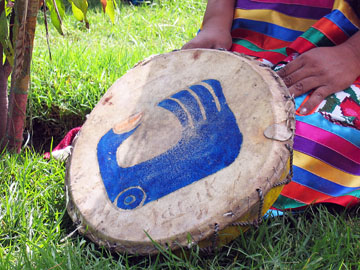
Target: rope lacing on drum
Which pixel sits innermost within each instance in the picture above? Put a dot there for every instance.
(291, 171)
(292, 97)
(211, 249)
(255, 222)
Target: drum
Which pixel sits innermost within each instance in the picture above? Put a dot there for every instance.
(186, 148)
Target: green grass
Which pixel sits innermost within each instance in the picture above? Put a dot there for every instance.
(87, 62)
(35, 228)
(36, 231)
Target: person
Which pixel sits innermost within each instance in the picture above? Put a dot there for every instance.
(315, 48)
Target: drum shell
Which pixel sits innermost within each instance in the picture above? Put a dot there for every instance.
(265, 176)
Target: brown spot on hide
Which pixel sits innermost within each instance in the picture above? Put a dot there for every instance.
(196, 55)
(107, 100)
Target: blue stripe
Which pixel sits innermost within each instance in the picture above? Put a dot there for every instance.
(265, 28)
(350, 134)
(320, 184)
(342, 22)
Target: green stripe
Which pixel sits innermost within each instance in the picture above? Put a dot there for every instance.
(317, 38)
(283, 202)
(254, 48)
(355, 193)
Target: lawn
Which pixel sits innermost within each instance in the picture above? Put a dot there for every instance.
(36, 231)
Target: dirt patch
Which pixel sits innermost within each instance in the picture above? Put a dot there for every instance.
(44, 133)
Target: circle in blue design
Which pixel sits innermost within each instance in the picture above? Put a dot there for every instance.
(130, 198)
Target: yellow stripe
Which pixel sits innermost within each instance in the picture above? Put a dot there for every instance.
(326, 171)
(275, 17)
(345, 8)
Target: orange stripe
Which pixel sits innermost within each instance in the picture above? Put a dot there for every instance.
(331, 31)
(303, 194)
(297, 112)
(263, 41)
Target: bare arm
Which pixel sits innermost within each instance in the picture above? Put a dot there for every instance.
(216, 26)
(326, 70)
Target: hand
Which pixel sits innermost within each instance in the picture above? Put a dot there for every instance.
(211, 38)
(325, 70)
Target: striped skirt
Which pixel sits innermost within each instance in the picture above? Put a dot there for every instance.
(327, 141)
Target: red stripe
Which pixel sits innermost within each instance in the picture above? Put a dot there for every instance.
(331, 31)
(328, 139)
(303, 194)
(273, 57)
(300, 45)
(357, 82)
(263, 41)
(346, 201)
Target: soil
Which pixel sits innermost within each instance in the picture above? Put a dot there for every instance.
(44, 134)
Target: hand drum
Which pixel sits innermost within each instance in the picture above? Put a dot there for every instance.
(181, 150)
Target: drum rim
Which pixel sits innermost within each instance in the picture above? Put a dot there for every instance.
(278, 152)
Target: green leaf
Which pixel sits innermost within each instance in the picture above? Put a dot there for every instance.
(4, 33)
(78, 14)
(57, 12)
(4, 38)
(110, 10)
(8, 7)
(61, 8)
(79, 8)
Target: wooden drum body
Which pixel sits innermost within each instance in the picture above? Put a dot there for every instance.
(178, 149)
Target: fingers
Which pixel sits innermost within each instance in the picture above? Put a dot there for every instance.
(290, 68)
(301, 78)
(198, 43)
(314, 100)
(305, 85)
(210, 39)
(191, 45)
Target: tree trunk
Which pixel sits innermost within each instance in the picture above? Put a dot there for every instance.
(5, 70)
(24, 29)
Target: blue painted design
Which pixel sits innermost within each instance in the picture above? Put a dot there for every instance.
(206, 146)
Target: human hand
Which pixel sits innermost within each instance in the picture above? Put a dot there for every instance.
(324, 70)
(211, 38)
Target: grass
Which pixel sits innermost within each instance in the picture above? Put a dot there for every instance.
(35, 228)
(87, 62)
(36, 231)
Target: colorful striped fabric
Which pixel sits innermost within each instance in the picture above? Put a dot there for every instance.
(327, 141)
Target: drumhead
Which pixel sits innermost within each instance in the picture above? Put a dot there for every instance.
(174, 146)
